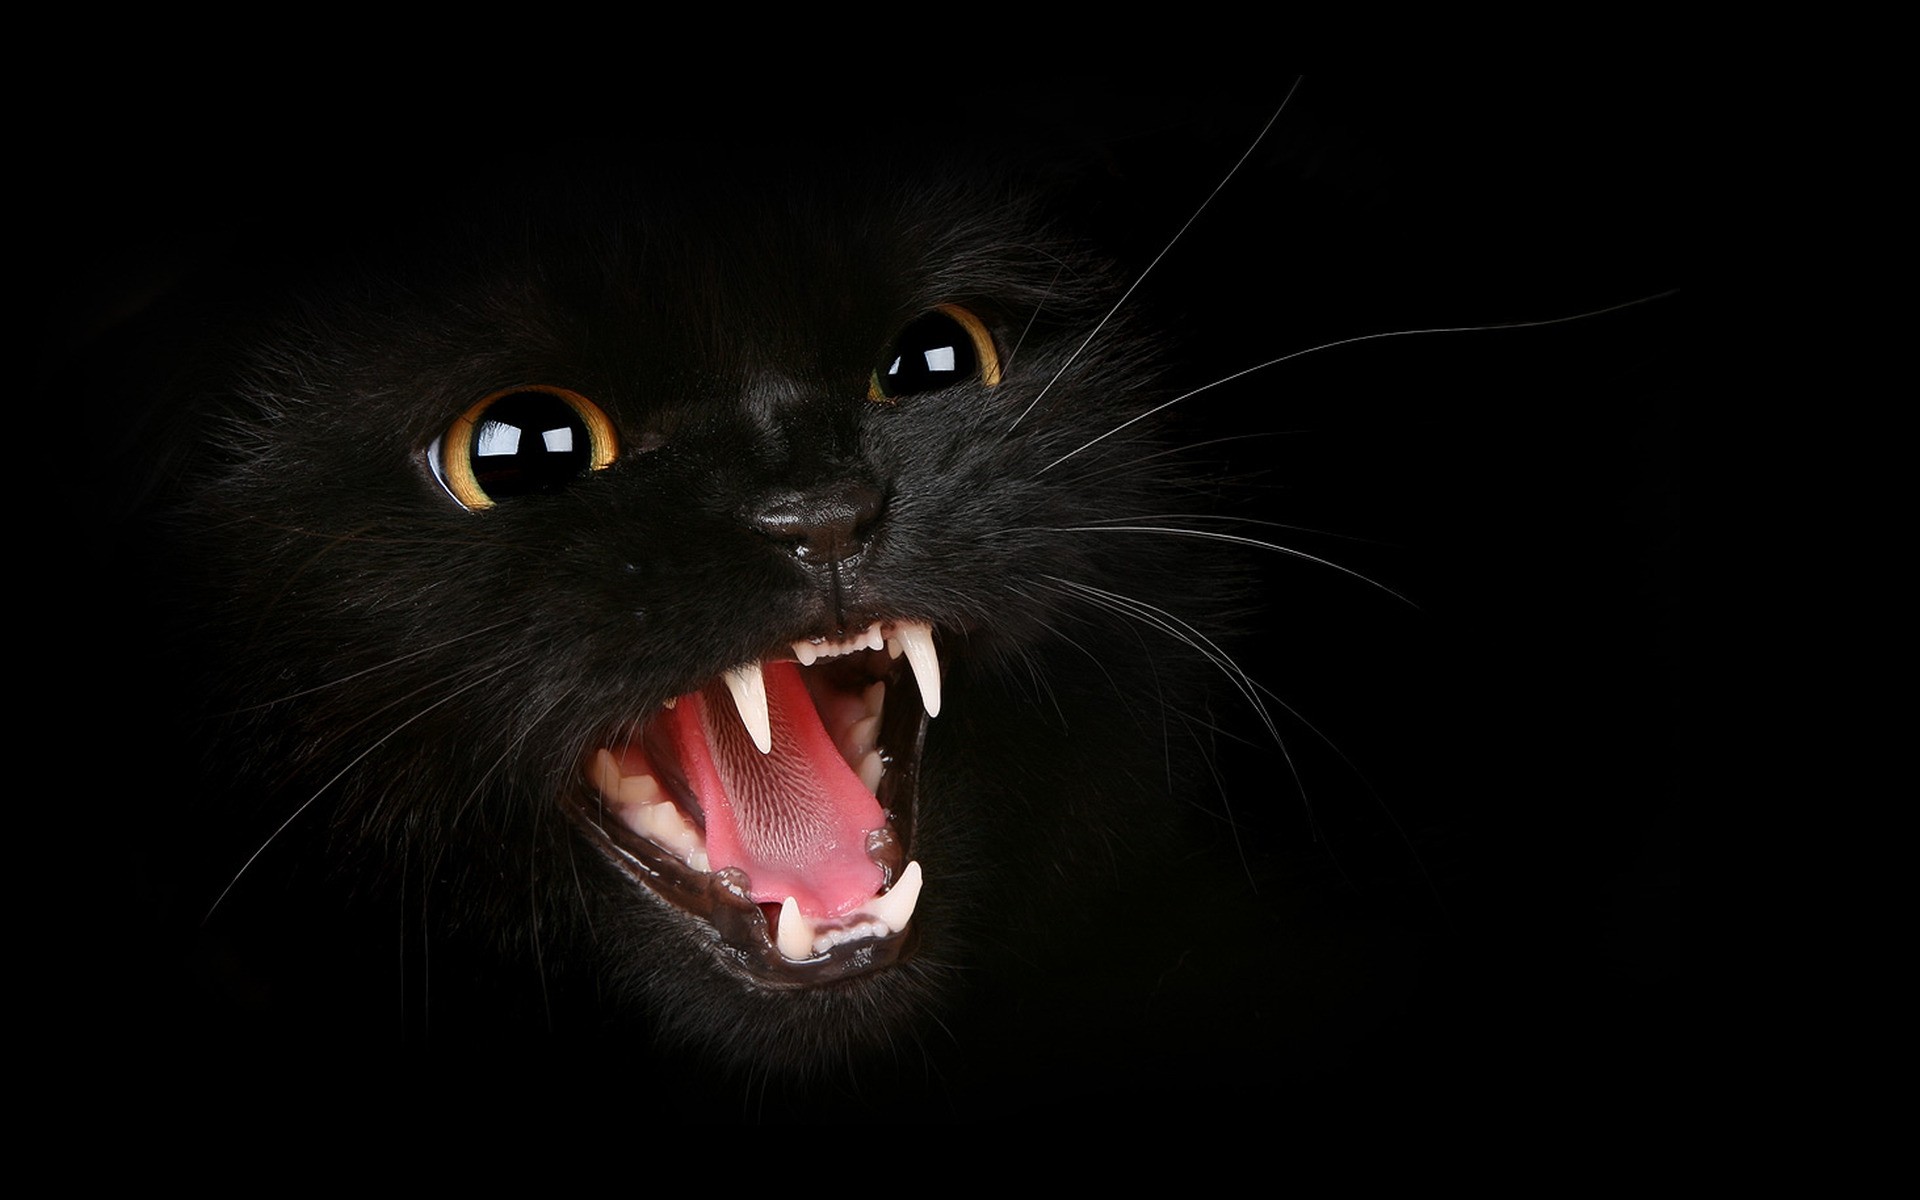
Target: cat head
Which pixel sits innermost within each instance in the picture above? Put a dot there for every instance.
(698, 592)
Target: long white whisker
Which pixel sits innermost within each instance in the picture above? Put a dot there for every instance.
(1186, 448)
(1026, 329)
(1230, 519)
(395, 661)
(527, 727)
(1164, 251)
(1241, 540)
(337, 776)
(1182, 631)
(1349, 341)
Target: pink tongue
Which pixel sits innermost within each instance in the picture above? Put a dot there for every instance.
(795, 820)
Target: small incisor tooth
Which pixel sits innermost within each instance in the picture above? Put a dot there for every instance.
(749, 689)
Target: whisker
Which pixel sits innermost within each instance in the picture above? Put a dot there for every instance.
(1231, 519)
(1026, 329)
(527, 726)
(1185, 448)
(1164, 251)
(1181, 631)
(395, 661)
(1239, 540)
(336, 777)
(1350, 341)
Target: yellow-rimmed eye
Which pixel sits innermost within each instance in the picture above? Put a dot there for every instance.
(520, 441)
(946, 346)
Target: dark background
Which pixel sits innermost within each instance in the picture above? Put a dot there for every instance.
(1474, 867)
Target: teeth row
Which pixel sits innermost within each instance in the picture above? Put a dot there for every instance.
(809, 651)
(799, 938)
(644, 807)
(913, 638)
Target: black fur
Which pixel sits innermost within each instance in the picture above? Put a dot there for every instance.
(1133, 893)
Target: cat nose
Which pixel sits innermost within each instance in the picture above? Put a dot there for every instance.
(826, 524)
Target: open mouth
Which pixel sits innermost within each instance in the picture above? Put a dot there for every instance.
(775, 802)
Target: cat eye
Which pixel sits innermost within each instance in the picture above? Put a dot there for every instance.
(946, 346)
(521, 441)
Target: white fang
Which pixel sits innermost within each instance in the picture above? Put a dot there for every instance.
(916, 638)
(749, 688)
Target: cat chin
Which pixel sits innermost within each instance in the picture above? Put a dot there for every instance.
(773, 808)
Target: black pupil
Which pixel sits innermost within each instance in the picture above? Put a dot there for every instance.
(529, 442)
(931, 352)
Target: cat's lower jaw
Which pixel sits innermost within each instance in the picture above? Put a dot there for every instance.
(774, 805)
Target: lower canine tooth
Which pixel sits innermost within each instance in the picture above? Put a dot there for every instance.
(795, 936)
(896, 907)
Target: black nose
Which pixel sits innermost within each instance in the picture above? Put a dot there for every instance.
(825, 524)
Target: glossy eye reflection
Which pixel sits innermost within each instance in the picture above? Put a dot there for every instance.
(946, 346)
(521, 441)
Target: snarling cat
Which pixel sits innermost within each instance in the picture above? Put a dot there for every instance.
(771, 607)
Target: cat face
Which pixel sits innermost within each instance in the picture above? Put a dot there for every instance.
(700, 588)
(475, 534)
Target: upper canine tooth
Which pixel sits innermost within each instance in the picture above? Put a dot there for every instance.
(749, 688)
(916, 638)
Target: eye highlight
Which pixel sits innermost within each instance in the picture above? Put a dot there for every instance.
(521, 441)
(946, 346)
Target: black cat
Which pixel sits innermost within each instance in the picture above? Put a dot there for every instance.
(763, 604)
